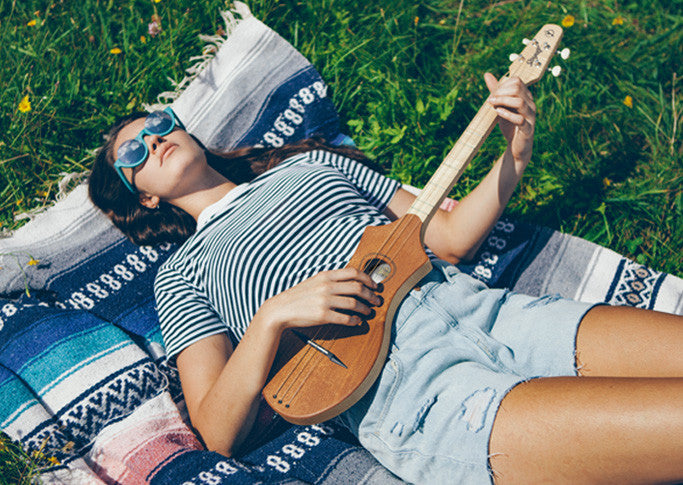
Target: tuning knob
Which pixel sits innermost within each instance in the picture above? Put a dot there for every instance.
(564, 53)
(555, 71)
(514, 57)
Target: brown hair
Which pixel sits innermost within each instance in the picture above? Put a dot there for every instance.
(167, 223)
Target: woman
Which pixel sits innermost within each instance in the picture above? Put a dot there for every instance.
(480, 384)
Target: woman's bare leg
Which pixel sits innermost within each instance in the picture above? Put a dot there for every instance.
(623, 427)
(630, 342)
(590, 430)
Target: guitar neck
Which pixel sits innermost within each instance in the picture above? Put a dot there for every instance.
(450, 170)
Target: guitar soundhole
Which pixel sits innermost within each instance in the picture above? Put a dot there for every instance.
(379, 270)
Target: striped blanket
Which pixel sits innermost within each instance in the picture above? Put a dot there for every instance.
(82, 374)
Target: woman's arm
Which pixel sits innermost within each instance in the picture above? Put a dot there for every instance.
(222, 385)
(456, 235)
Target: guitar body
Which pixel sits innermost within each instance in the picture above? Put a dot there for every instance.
(305, 386)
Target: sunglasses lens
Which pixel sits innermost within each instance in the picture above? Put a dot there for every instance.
(159, 123)
(131, 153)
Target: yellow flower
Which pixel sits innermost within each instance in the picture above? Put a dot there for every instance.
(116, 51)
(618, 20)
(143, 39)
(33, 262)
(606, 182)
(157, 1)
(32, 23)
(628, 101)
(568, 21)
(25, 105)
(417, 19)
(54, 461)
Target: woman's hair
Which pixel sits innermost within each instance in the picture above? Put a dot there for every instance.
(167, 223)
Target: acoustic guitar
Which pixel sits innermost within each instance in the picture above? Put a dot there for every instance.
(319, 372)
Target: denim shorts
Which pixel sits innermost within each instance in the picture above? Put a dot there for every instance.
(457, 348)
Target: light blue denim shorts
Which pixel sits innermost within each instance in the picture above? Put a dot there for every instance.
(457, 348)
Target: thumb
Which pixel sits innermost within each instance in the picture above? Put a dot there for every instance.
(491, 82)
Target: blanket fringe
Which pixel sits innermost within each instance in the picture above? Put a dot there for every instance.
(213, 43)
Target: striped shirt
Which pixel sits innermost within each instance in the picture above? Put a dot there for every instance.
(304, 216)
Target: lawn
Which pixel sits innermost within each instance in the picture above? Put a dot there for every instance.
(406, 76)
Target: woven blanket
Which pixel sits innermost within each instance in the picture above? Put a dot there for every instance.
(82, 374)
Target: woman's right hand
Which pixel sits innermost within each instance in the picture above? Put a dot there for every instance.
(336, 296)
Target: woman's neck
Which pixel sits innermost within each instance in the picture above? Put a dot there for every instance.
(210, 189)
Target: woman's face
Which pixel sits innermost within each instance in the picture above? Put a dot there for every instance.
(174, 161)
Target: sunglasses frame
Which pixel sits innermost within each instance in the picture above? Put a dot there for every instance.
(118, 165)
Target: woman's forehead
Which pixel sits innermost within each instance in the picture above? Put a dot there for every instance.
(128, 132)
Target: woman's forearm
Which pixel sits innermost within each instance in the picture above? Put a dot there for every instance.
(222, 387)
(475, 215)
(227, 412)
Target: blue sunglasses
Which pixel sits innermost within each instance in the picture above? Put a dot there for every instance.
(133, 152)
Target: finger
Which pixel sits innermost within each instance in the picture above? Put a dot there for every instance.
(357, 289)
(350, 304)
(491, 82)
(338, 318)
(514, 86)
(350, 273)
(514, 118)
(515, 104)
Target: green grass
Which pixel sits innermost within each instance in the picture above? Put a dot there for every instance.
(406, 77)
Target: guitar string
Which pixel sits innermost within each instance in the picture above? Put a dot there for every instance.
(395, 236)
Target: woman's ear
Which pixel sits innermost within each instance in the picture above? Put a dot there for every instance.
(149, 201)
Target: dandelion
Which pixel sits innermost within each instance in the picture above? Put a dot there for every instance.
(628, 101)
(25, 104)
(568, 21)
(116, 51)
(32, 23)
(157, 1)
(33, 262)
(143, 39)
(618, 20)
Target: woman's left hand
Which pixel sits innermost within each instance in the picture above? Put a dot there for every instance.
(517, 115)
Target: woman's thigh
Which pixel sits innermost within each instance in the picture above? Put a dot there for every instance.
(590, 430)
(630, 342)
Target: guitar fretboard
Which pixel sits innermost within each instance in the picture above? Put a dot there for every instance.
(450, 170)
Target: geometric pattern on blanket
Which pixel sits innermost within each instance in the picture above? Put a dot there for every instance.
(82, 366)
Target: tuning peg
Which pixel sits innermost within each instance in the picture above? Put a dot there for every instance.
(564, 53)
(525, 41)
(555, 71)
(514, 57)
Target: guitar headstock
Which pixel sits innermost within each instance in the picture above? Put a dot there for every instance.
(532, 62)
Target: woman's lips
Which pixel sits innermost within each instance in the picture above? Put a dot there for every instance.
(168, 151)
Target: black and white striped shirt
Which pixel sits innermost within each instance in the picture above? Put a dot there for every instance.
(304, 216)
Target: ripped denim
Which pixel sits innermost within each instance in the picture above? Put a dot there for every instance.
(457, 348)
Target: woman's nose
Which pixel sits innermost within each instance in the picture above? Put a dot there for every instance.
(153, 142)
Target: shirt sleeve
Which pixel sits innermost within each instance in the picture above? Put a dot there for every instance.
(185, 316)
(373, 186)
